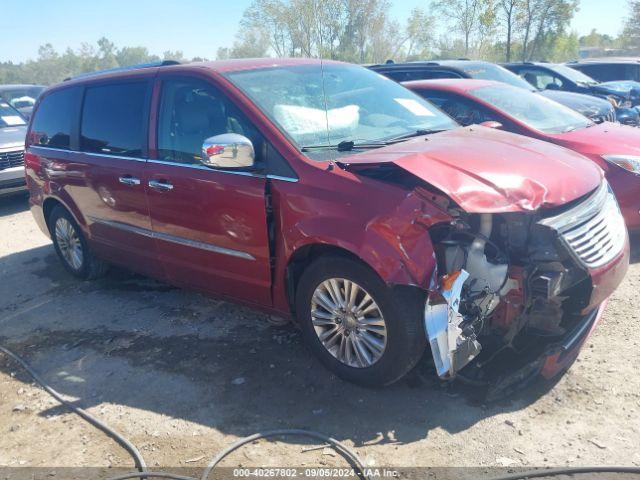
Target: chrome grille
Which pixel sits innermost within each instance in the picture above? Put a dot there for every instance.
(11, 159)
(594, 230)
(607, 117)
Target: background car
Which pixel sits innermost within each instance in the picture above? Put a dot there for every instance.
(21, 97)
(597, 109)
(615, 148)
(13, 129)
(609, 69)
(558, 77)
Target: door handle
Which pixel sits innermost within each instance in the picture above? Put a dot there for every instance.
(129, 180)
(162, 185)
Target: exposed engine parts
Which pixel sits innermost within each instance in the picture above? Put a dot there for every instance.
(505, 283)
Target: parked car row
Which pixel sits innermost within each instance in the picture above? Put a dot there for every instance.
(599, 107)
(327, 193)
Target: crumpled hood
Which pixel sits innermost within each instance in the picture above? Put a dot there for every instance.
(486, 170)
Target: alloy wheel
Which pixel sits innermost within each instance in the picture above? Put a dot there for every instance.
(348, 322)
(69, 243)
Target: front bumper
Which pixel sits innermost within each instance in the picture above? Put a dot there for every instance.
(12, 180)
(554, 360)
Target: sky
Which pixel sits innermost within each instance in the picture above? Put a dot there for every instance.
(196, 27)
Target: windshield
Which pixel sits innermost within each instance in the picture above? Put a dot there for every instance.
(353, 104)
(532, 109)
(573, 75)
(497, 73)
(10, 117)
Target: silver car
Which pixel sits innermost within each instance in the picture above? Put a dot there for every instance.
(13, 129)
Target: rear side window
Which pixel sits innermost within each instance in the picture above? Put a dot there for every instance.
(114, 119)
(53, 122)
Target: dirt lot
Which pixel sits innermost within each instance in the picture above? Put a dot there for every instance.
(183, 375)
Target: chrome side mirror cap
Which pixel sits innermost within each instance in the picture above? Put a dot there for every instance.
(228, 150)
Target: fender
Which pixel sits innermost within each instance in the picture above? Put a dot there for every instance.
(395, 244)
(40, 173)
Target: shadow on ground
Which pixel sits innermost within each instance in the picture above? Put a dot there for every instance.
(11, 204)
(132, 341)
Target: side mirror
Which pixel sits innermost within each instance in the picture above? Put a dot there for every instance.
(228, 150)
(492, 124)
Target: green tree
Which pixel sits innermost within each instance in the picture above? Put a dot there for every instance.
(508, 16)
(464, 16)
(631, 33)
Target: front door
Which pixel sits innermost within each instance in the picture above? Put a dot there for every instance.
(210, 226)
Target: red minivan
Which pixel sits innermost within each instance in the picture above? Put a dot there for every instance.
(325, 192)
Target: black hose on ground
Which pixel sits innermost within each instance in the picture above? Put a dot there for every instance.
(122, 441)
(349, 455)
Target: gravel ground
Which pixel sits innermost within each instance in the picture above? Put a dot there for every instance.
(183, 375)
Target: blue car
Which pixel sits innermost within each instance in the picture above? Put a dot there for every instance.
(624, 95)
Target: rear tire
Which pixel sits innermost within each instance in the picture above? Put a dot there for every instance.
(374, 345)
(72, 248)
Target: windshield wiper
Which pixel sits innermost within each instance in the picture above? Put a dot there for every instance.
(348, 145)
(344, 146)
(417, 133)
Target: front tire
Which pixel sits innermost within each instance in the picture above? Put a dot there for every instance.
(359, 328)
(72, 248)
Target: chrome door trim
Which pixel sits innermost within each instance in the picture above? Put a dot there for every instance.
(283, 179)
(162, 186)
(208, 169)
(129, 180)
(104, 155)
(174, 164)
(53, 149)
(174, 239)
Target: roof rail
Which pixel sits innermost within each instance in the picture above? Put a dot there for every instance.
(160, 63)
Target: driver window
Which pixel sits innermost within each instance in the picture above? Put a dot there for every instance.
(191, 111)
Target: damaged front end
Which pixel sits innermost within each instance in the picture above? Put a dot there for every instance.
(512, 286)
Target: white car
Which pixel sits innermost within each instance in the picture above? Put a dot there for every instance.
(13, 129)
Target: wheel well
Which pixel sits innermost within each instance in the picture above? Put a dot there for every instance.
(47, 207)
(303, 257)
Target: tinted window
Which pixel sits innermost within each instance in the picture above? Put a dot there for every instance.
(608, 72)
(114, 119)
(52, 124)
(191, 111)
